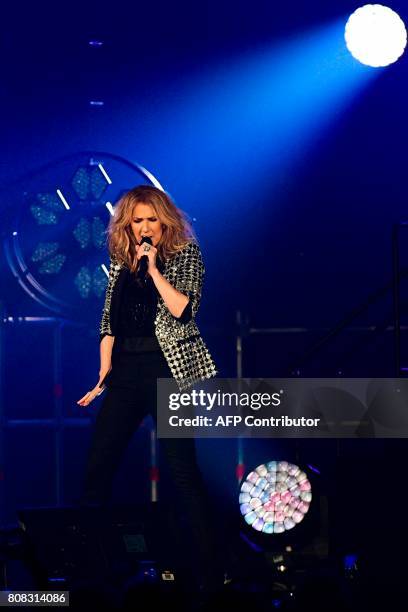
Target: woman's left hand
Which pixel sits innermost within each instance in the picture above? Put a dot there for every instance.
(151, 254)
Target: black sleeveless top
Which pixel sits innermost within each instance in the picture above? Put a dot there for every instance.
(137, 312)
(136, 345)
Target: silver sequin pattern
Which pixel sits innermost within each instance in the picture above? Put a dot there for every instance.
(183, 347)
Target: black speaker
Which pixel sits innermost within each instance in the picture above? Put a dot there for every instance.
(82, 545)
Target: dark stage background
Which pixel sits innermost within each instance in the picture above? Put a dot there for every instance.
(292, 161)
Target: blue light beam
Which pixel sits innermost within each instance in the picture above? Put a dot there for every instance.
(252, 119)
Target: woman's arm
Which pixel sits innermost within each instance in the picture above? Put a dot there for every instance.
(114, 270)
(174, 300)
(183, 299)
(190, 276)
(106, 356)
(105, 350)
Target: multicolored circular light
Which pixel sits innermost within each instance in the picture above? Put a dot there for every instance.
(275, 497)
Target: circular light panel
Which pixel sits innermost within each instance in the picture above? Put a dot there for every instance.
(275, 497)
(375, 35)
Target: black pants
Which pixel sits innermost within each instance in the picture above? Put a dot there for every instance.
(130, 396)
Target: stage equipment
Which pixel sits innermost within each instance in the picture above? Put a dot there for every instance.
(72, 546)
(56, 241)
(275, 497)
(375, 35)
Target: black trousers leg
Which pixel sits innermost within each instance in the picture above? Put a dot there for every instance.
(194, 506)
(120, 415)
(118, 418)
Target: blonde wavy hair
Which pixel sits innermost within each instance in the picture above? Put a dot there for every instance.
(177, 230)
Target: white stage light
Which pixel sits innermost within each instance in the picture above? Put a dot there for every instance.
(375, 35)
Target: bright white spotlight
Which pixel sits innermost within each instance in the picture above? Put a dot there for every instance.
(375, 35)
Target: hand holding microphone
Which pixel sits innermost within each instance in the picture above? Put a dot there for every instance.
(146, 253)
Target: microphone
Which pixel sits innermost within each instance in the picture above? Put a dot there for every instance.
(143, 261)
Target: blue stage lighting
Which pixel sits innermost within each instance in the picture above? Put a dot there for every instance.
(375, 35)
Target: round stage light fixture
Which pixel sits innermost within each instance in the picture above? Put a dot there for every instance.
(275, 497)
(55, 244)
(375, 35)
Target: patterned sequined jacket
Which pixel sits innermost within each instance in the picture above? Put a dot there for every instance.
(185, 351)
